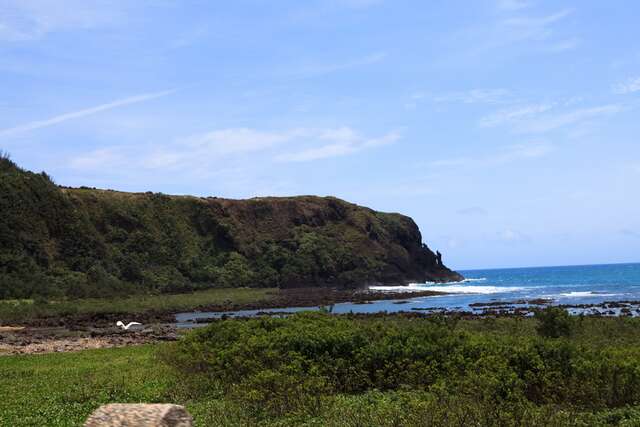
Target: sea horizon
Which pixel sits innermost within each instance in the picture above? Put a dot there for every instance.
(463, 270)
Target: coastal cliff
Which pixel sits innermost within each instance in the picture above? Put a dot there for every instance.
(84, 242)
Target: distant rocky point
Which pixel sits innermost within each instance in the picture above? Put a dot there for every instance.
(82, 242)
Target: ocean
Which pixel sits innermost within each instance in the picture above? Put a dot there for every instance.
(584, 284)
(574, 286)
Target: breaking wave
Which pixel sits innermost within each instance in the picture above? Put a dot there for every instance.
(587, 294)
(451, 288)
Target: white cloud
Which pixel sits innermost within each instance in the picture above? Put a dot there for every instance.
(509, 36)
(533, 28)
(513, 236)
(551, 122)
(511, 5)
(232, 147)
(546, 117)
(318, 68)
(83, 113)
(472, 211)
(342, 141)
(509, 154)
(473, 96)
(563, 45)
(358, 4)
(630, 86)
(209, 146)
(237, 140)
(189, 37)
(513, 114)
(97, 159)
(22, 20)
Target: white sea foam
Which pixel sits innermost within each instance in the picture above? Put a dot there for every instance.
(578, 294)
(480, 279)
(457, 288)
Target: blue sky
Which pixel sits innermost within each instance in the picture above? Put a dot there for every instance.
(508, 129)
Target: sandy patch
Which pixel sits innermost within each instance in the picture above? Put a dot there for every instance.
(11, 328)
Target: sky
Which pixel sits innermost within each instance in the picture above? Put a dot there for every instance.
(507, 129)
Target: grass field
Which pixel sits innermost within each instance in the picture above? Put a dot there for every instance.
(482, 373)
(62, 389)
(21, 310)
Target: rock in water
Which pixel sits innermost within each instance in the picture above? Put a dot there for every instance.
(139, 415)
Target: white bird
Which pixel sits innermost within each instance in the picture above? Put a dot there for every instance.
(127, 326)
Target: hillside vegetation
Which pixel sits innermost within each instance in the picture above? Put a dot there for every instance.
(78, 243)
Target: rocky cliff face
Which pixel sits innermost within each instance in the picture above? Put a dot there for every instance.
(89, 242)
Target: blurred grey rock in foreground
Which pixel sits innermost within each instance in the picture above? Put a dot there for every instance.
(139, 415)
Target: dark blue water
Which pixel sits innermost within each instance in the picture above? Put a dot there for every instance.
(571, 285)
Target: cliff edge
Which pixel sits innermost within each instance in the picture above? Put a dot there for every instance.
(84, 242)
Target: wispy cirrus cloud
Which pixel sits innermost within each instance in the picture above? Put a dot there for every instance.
(510, 115)
(509, 154)
(336, 143)
(533, 27)
(472, 211)
(515, 32)
(22, 20)
(546, 117)
(563, 45)
(630, 86)
(546, 123)
(470, 96)
(216, 144)
(358, 4)
(512, 5)
(512, 236)
(83, 113)
(235, 146)
(98, 158)
(475, 96)
(311, 69)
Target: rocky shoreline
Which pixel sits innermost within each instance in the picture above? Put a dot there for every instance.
(87, 331)
(34, 340)
(300, 297)
(74, 333)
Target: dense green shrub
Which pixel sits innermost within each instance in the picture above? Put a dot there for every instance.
(276, 366)
(554, 322)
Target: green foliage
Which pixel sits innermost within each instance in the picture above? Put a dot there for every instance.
(63, 389)
(107, 243)
(236, 272)
(554, 322)
(280, 366)
(23, 310)
(496, 372)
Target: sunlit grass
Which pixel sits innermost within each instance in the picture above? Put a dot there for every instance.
(63, 389)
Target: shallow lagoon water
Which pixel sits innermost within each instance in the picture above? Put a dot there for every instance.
(572, 285)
